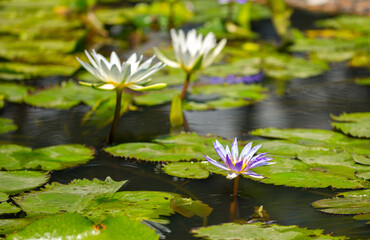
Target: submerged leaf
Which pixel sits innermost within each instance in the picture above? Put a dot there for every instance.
(188, 207)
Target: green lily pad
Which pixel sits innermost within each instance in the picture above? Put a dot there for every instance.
(188, 207)
(3, 197)
(11, 225)
(287, 67)
(351, 22)
(66, 96)
(353, 202)
(289, 171)
(7, 208)
(361, 159)
(14, 92)
(365, 216)
(354, 124)
(76, 226)
(259, 231)
(18, 181)
(186, 170)
(300, 134)
(182, 147)
(7, 125)
(225, 96)
(15, 157)
(139, 205)
(74, 197)
(155, 97)
(244, 67)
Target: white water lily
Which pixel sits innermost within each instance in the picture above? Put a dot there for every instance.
(114, 75)
(192, 51)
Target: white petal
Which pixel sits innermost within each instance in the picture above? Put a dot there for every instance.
(245, 151)
(212, 56)
(231, 175)
(164, 59)
(235, 150)
(114, 59)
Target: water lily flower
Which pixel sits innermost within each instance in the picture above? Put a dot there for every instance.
(192, 51)
(230, 1)
(242, 164)
(114, 75)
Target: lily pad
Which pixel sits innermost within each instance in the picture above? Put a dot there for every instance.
(7, 125)
(185, 146)
(351, 22)
(353, 124)
(225, 96)
(57, 198)
(363, 81)
(11, 225)
(3, 197)
(139, 205)
(76, 226)
(14, 92)
(259, 231)
(353, 202)
(15, 157)
(18, 181)
(186, 170)
(8, 208)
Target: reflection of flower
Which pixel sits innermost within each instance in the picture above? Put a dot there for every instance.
(114, 75)
(239, 165)
(192, 51)
(229, 1)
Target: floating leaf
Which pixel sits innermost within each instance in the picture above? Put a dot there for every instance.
(188, 207)
(259, 231)
(351, 22)
(8, 208)
(11, 225)
(185, 146)
(3, 197)
(15, 157)
(354, 124)
(353, 202)
(14, 92)
(7, 125)
(18, 181)
(139, 205)
(75, 226)
(186, 170)
(74, 197)
(363, 81)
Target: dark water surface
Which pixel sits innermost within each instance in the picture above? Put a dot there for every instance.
(306, 103)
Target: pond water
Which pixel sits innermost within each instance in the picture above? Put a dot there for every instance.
(304, 103)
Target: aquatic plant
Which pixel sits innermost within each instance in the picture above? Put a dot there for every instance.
(237, 165)
(193, 53)
(112, 75)
(242, 164)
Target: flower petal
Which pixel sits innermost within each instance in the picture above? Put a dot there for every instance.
(253, 174)
(234, 150)
(145, 88)
(220, 150)
(231, 175)
(245, 151)
(166, 60)
(215, 163)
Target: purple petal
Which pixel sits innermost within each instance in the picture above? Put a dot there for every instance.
(215, 163)
(245, 151)
(235, 150)
(220, 150)
(252, 152)
(239, 166)
(229, 163)
(253, 174)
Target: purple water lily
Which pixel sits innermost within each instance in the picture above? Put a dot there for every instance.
(229, 1)
(242, 164)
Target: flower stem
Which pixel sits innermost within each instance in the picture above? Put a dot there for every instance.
(235, 196)
(185, 87)
(116, 117)
(230, 9)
